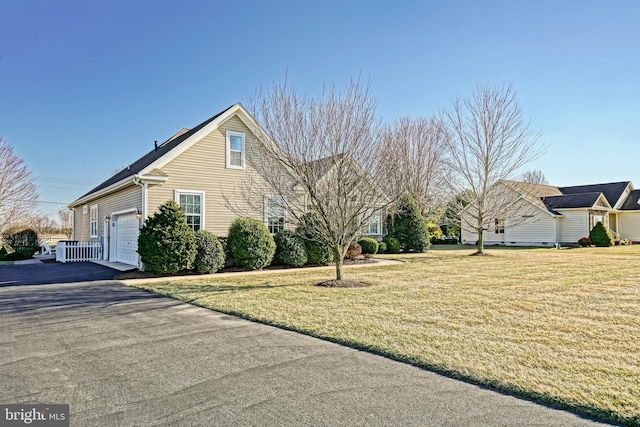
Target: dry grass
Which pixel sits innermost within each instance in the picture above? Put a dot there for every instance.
(559, 326)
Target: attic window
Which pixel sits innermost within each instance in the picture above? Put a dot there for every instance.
(235, 150)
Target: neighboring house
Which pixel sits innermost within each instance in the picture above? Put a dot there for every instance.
(562, 214)
(201, 169)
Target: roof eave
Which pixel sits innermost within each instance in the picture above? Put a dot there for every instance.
(103, 192)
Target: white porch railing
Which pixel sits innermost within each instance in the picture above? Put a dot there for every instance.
(72, 251)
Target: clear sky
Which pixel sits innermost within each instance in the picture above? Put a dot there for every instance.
(87, 86)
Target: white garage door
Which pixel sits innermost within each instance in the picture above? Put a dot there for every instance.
(127, 239)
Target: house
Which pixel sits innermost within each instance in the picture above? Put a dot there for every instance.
(203, 169)
(543, 215)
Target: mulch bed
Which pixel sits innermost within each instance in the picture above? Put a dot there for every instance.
(136, 274)
(343, 284)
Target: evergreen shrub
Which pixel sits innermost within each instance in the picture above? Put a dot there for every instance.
(210, 254)
(166, 243)
(250, 244)
(290, 249)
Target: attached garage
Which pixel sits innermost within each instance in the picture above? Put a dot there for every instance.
(124, 238)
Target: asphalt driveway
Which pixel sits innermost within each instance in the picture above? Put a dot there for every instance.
(121, 356)
(53, 272)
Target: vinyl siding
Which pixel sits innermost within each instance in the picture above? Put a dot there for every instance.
(536, 231)
(573, 225)
(203, 168)
(125, 199)
(629, 225)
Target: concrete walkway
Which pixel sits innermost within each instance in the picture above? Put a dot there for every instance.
(378, 263)
(121, 356)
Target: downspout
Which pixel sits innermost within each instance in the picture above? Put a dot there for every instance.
(143, 186)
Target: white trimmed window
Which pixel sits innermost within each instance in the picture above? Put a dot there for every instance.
(192, 204)
(93, 221)
(499, 225)
(235, 150)
(373, 226)
(274, 214)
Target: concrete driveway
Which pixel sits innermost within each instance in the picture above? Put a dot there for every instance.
(121, 356)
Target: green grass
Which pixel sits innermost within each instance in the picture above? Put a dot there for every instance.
(558, 326)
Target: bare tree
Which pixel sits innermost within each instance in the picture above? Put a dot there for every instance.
(65, 217)
(41, 224)
(489, 141)
(534, 177)
(18, 192)
(328, 148)
(413, 158)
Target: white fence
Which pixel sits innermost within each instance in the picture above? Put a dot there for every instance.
(72, 251)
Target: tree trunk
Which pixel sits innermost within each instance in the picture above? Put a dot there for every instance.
(338, 256)
(480, 243)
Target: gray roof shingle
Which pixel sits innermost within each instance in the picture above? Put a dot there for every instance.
(583, 200)
(612, 191)
(631, 204)
(152, 156)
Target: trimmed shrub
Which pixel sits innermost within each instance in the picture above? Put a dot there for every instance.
(290, 249)
(409, 227)
(250, 244)
(166, 243)
(354, 250)
(210, 254)
(393, 245)
(369, 246)
(382, 247)
(18, 239)
(584, 242)
(318, 253)
(600, 236)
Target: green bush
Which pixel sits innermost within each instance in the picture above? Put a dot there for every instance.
(369, 246)
(600, 236)
(250, 244)
(210, 254)
(354, 250)
(382, 247)
(18, 239)
(318, 253)
(290, 249)
(408, 226)
(166, 243)
(393, 245)
(20, 255)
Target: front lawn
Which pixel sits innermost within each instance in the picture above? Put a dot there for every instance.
(559, 326)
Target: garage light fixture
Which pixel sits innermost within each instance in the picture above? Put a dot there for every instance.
(138, 213)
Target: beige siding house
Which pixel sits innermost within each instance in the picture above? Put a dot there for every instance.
(201, 169)
(562, 214)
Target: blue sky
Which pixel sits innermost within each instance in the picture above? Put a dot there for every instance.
(86, 87)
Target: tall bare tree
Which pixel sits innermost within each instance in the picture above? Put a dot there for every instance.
(414, 153)
(65, 216)
(329, 147)
(489, 141)
(18, 191)
(534, 177)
